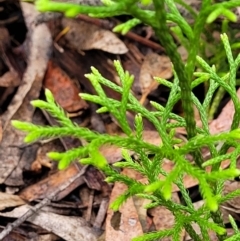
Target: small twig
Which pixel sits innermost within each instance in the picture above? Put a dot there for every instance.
(107, 25)
(101, 214)
(9, 20)
(89, 209)
(37, 207)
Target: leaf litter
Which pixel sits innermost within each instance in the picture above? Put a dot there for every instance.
(63, 73)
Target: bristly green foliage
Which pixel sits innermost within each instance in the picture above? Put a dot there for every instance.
(159, 187)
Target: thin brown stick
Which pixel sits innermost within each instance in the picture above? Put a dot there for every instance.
(107, 25)
(40, 205)
(90, 203)
(101, 213)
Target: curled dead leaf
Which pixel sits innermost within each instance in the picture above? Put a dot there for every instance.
(85, 36)
(154, 65)
(65, 92)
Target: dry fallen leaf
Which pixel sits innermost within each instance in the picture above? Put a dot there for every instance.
(140, 204)
(20, 107)
(49, 185)
(154, 65)
(85, 36)
(10, 200)
(68, 228)
(41, 158)
(65, 92)
(124, 224)
(230, 186)
(224, 120)
(10, 79)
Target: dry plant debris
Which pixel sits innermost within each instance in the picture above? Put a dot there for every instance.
(85, 36)
(73, 52)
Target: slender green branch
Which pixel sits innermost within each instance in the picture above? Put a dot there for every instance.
(166, 39)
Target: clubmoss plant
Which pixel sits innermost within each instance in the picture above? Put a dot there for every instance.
(158, 189)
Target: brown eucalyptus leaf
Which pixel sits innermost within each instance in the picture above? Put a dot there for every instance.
(51, 183)
(64, 90)
(123, 224)
(10, 200)
(140, 204)
(9, 79)
(85, 36)
(154, 65)
(224, 120)
(231, 186)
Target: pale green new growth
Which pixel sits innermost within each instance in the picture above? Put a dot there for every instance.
(149, 159)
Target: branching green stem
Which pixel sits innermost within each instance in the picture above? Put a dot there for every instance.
(149, 159)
